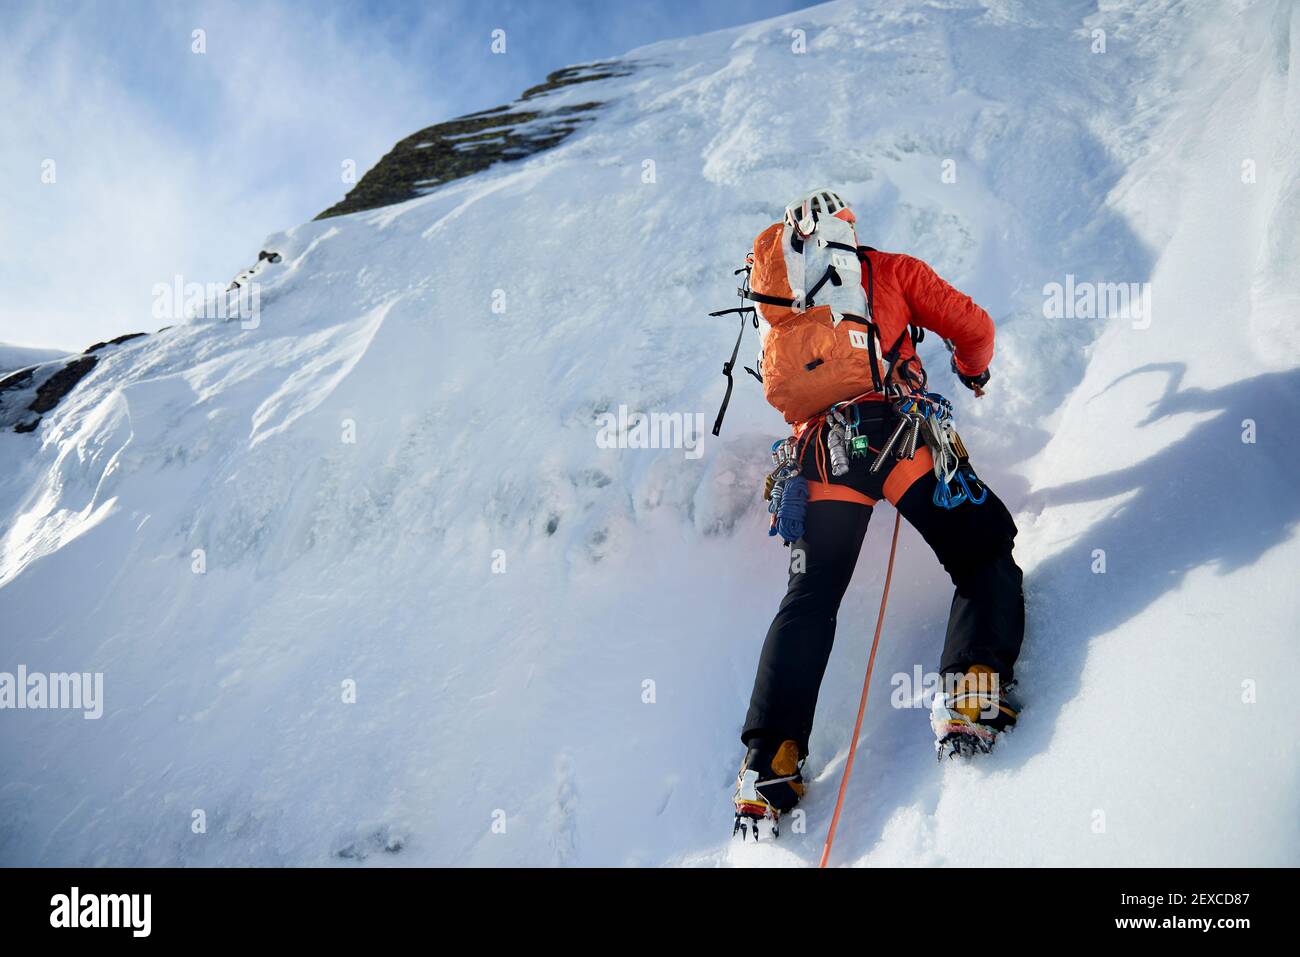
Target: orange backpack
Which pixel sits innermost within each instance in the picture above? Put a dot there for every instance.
(822, 347)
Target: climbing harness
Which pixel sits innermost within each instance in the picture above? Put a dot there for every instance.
(928, 416)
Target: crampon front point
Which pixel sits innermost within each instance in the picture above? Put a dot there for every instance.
(754, 819)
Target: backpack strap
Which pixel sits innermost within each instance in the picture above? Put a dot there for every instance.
(831, 275)
(871, 279)
(916, 332)
(877, 379)
(748, 293)
(745, 312)
(730, 364)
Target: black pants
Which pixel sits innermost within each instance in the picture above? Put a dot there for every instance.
(973, 543)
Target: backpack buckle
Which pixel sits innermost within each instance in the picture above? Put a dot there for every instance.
(802, 219)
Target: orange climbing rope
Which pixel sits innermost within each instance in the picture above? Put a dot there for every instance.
(862, 705)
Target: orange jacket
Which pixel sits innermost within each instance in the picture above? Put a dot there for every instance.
(905, 290)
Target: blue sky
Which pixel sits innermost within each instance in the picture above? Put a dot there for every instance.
(166, 162)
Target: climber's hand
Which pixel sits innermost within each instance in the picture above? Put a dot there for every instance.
(975, 383)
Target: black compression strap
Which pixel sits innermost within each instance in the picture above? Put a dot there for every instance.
(766, 300)
(830, 275)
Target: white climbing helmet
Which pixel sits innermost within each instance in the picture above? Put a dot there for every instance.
(822, 202)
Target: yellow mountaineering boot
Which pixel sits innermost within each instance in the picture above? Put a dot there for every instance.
(970, 712)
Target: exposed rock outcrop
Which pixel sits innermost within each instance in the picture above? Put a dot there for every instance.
(27, 394)
(470, 144)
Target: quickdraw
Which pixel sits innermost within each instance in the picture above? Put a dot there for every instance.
(956, 478)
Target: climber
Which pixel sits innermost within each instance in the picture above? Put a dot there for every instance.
(839, 361)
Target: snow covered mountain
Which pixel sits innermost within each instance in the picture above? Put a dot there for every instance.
(364, 586)
(20, 357)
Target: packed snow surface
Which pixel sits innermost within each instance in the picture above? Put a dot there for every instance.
(365, 589)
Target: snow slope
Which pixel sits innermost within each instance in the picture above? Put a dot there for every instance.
(398, 488)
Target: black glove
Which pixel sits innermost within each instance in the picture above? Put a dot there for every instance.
(972, 382)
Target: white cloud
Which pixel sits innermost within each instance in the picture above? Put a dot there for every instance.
(168, 162)
(173, 163)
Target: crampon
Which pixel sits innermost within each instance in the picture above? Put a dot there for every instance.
(968, 720)
(754, 815)
(963, 739)
(747, 824)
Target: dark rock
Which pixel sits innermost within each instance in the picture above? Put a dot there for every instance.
(17, 380)
(114, 342)
(470, 144)
(53, 389)
(582, 73)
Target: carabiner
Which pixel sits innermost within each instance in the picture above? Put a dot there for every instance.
(966, 475)
(944, 497)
